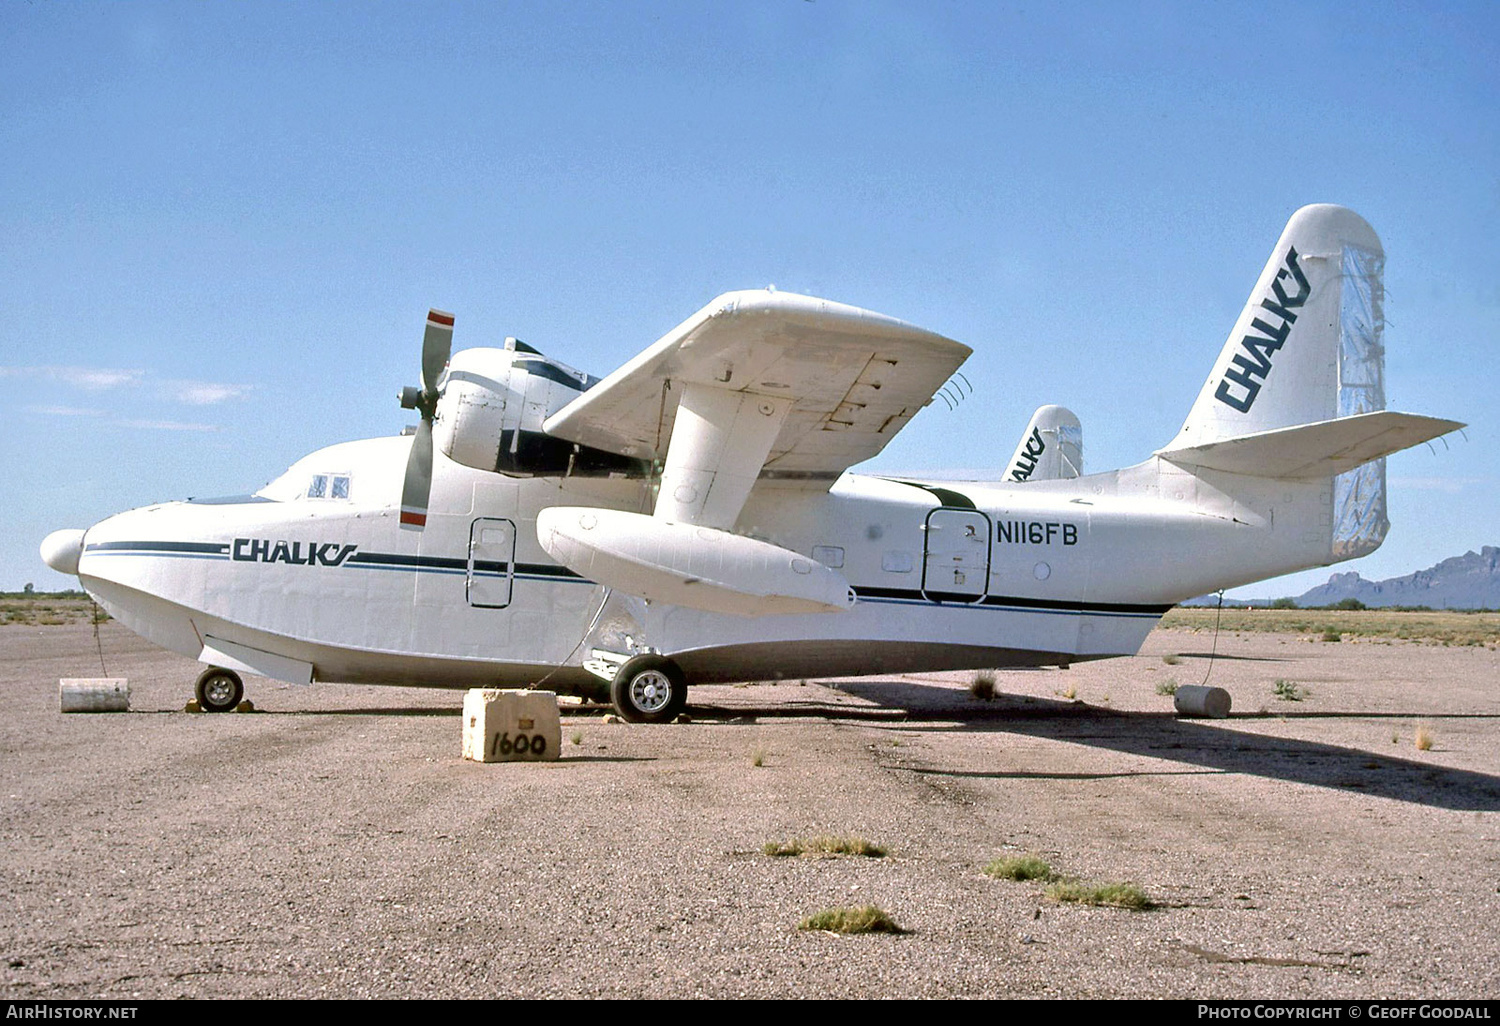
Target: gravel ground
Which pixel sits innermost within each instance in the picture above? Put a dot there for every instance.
(334, 844)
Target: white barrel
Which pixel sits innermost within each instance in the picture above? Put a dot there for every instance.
(1193, 700)
(94, 694)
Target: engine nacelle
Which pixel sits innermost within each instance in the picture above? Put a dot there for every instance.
(491, 412)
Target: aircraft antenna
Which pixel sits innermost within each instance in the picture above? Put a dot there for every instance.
(952, 392)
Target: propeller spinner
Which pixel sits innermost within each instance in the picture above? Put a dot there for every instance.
(437, 346)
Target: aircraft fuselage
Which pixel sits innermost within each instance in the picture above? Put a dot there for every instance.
(948, 576)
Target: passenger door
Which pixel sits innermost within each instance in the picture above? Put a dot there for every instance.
(492, 552)
(956, 556)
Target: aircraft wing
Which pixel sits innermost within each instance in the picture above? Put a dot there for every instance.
(843, 381)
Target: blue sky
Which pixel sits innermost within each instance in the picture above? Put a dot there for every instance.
(221, 225)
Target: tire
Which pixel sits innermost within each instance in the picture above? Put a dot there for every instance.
(219, 690)
(648, 689)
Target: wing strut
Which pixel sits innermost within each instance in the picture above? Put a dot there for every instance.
(719, 443)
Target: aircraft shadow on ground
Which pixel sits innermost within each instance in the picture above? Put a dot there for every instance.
(1221, 657)
(1203, 743)
(389, 710)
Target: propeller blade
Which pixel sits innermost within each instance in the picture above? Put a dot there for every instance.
(437, 346)
(418, 484)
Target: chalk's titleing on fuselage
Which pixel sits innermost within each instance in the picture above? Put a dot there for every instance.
(691, 517)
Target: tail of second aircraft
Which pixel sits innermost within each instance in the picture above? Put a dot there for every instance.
(1298, 391)
(1051, 447)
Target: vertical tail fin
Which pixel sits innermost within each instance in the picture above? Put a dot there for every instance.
(1051, 447)
(1308, 348)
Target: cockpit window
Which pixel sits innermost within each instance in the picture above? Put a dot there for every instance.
(328, 486)
(542, 367)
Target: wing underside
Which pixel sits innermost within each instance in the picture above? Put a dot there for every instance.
(842, 381)
(755, 385)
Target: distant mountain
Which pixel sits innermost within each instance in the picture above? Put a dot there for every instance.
(1470, 581)
(1213, 602)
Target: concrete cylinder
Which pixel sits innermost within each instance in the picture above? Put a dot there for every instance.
(94, 694)
(1193, 700)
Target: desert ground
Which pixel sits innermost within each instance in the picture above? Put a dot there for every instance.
(334, 844)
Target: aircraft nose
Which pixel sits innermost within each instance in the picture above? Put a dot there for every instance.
(61, 549)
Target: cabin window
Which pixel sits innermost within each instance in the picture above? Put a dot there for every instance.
(897, 562)
(829, 555)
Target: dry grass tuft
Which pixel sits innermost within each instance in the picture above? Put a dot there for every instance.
(1171, 660)
(826, 844)
(1019, 867)
(1288, 691)
(860, 919)
(1425, 737)
(983, 685)
(1115, 895)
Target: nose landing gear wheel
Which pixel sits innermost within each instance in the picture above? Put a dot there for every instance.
(648, 689)
(219, 690)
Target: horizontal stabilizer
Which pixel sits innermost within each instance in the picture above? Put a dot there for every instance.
(1322, 449)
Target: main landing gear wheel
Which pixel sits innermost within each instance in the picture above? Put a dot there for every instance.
(219, 690)
(648, 689)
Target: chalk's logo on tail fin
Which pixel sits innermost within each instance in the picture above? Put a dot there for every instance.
(1032, 448)
(1051, 448)
(1250, 366)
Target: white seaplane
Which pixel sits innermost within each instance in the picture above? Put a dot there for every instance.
(691, 518)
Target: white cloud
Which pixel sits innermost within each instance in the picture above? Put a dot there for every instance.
(166, 425)
(64, 411)
(203, 393)
(98, 379)
(94, 379)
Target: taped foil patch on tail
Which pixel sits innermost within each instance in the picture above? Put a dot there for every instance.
(1359, 511)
